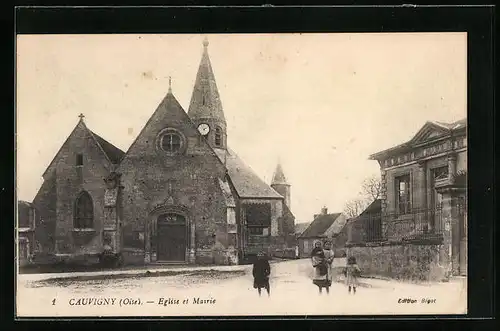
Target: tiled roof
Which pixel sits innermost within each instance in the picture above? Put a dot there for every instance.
(319, 226)
(245, 181)
(114, 154)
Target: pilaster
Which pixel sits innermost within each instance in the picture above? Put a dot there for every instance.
(192, 243)
(449, 256)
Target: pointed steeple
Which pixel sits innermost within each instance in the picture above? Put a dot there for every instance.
(280, 185)
(279, 177)
(205, 100)
(169, 84)
(206, 106)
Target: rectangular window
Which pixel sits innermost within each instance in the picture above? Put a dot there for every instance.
(403, 202)
(258, 231)
(440, 173)
(79, 159)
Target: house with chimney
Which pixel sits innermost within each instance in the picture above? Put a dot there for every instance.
(325, 226)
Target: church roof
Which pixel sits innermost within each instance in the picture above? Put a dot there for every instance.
(246, 183)
(205, 100)
(279, 176)
(114, 154)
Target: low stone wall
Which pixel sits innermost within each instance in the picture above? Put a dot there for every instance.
(132, 256)
(401, 261)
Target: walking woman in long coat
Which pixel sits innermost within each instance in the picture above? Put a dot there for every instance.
(322, 259)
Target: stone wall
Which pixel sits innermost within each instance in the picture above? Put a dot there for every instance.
(63, 182)
(408, 262)
(71, 180)
(45, 205)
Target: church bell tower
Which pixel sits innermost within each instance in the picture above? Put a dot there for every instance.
(205, 109)
(280, 184)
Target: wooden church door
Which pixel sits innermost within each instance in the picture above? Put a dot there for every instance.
(172, 238)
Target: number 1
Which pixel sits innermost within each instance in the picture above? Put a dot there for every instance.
(53, 302)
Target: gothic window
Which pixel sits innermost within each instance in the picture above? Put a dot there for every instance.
(84, 212)
(171, 142)
(79, 159)
(218, 137)
(403, 202)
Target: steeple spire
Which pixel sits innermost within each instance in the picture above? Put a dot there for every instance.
(280, 185)
(205, 100)
(169, 84)
(279, 177)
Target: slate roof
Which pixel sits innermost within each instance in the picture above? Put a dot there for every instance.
(244, 179)
(319, 226)
(114, 154)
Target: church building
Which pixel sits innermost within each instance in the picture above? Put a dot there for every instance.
(179, 194)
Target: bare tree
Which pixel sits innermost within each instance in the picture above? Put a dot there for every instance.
(371, 190)
(355, 207)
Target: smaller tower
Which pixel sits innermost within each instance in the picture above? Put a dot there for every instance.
(280, 185)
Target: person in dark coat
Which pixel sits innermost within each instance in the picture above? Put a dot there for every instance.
(261, 271)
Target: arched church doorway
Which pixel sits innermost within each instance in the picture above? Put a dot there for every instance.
(171, 237)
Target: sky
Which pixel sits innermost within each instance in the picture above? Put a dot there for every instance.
(318, 103)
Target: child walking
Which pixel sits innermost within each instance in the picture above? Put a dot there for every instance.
(261, 271)
(352, 272)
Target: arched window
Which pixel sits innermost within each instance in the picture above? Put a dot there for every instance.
(218, 137)
(84, 212)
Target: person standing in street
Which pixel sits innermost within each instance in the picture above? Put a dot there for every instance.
(352, 272)
(261, 272)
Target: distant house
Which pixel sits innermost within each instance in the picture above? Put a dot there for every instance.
(324, 226)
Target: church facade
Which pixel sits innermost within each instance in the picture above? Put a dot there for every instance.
(179, 194)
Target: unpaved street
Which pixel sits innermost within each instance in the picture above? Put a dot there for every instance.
(230, 292)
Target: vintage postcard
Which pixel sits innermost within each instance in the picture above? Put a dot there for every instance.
(241, 174)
